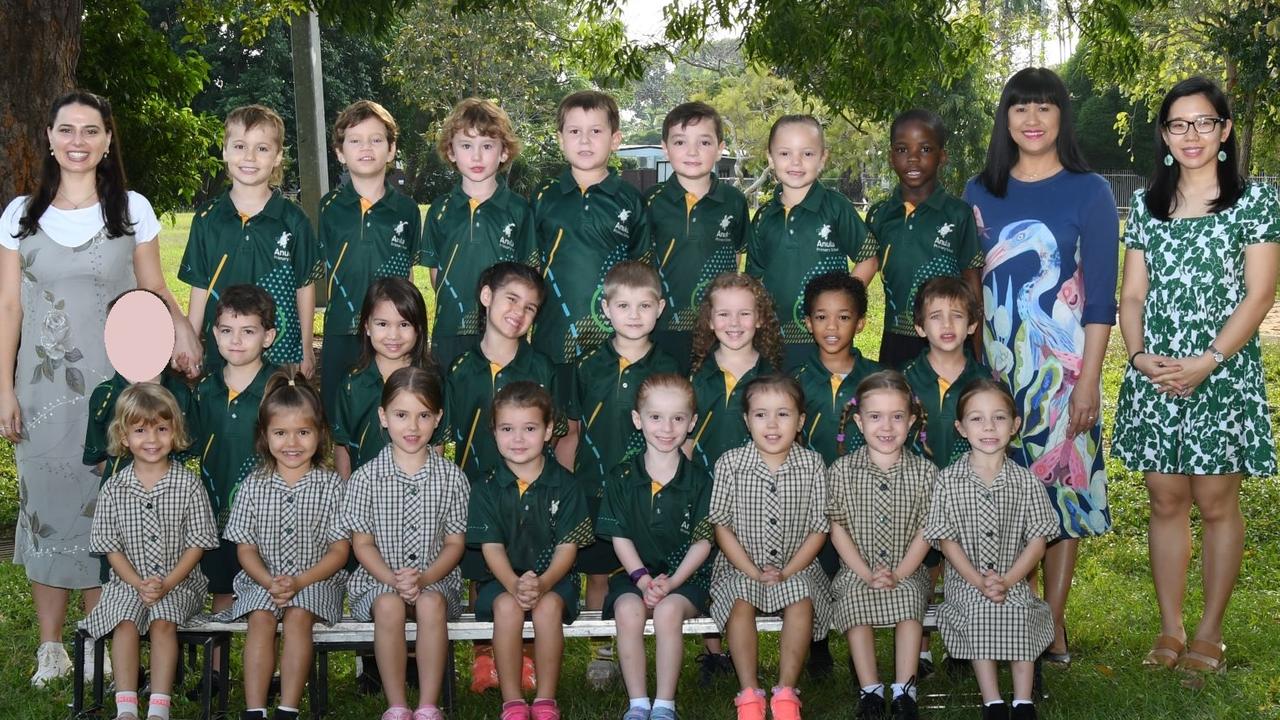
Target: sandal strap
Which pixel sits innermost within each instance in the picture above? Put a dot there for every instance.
(1169, 642)
(1202, 655)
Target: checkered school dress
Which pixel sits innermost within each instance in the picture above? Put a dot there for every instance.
(883, 512)
(153, 528)
(292, 528)
(408, 518)
(992, 526)
(771, 515)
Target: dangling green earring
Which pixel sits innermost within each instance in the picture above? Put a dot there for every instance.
(1168, 160)
(1222, 156)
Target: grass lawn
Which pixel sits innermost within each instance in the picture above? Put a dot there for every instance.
(1112, 618)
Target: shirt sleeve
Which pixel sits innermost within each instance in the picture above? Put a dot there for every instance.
(308, 255)
(837, 511)
(455, 519)
(573, 409)
(611, 521)
(573, 519)
(720, 509)
(817, 478)
(969, 255)
(355, 504)
(746, 229)
(641, 243)
(341, 424)
(853, 233)
(95, 433)
(1099, 254)
(333, 506)
(240, 525)
(11, 222)
(483, 523)
(414, 246)
(199, 529)
(937, 524)
(1135, 235)
(1263, 218)
(103, 537)
(195, 269)
(702, 528)
(146, 226)
(429, 255)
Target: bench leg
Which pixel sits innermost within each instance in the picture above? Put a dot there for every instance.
(224, 670)
(450, 679)
(77, 675)
(322, 708)
(206, 680)
(99, 675)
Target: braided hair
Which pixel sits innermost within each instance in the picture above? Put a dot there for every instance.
(883, 380)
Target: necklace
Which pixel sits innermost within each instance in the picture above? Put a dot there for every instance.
(1025, 176)
(78, 205)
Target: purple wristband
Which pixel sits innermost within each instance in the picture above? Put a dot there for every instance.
(639, 573)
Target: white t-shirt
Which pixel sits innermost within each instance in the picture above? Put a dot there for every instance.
(73, 228)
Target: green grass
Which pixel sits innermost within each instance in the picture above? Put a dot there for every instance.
(1111, 616)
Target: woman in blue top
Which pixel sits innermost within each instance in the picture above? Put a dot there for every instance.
(1049, 230)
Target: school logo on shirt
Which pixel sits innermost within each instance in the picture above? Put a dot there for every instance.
(722, 235)
(824, 238)
(397, 240)
(941, 242)
(621, 228)
(282, 247)
(555, 507)
(505, 241)
(684, 525)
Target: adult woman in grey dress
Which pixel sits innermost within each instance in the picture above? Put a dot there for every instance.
(65, 251)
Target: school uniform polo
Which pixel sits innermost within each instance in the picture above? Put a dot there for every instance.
(825, 398)
(152, 529)
(222, 434)
(275, 250)
(721, 425)
(582, 233)
(291, 527)
(937, 238)
(530, 522)
(461, 238)
(790, 246)
(694, 240)
(662, 521)
(355, 420)
(409, 518)
(102, 410)
(941, 443)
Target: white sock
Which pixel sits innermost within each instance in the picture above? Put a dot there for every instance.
(159, 706)
(127, 703)
(642, 703)
(900, 689)
(262, 712)
(668, 704)
(293, 710)
(1017, 702)
(926, 655)
(993, 702)
(877, 689)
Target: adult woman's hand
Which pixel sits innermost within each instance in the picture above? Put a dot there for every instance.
(10, 417)
(1150, 364)
(1083, 408)
(1185, 374)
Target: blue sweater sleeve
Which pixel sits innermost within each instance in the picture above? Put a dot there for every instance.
(1099, 252)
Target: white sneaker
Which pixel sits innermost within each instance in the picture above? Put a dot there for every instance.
(88, 662)
(51, 663)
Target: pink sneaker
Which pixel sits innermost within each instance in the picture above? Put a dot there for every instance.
(784, 705)
(545, 709)
(398, 713)
(750, 704)
(515, 710)
(428, 712)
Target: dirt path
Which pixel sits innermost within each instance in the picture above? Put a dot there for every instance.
(1270, 328)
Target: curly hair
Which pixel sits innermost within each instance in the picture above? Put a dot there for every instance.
(146, 404)
(883, 380)
(767, 339)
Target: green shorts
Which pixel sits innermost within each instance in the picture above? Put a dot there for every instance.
(597, 558)
(568, 589)
(620, 584)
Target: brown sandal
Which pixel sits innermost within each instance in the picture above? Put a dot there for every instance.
(1166, 653)
(1203, 658)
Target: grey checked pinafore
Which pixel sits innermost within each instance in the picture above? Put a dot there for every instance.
(408, 518)
(883, 513)
(992, 526)
(153, 528)
(771, 515)
(292, 528)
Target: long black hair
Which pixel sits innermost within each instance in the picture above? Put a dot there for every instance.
(113, 193)
(1162, 190)
(1029, 85)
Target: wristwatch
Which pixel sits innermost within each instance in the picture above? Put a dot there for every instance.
(1216, 354)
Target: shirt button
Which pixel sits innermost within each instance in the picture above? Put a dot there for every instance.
(288, 531)
(658, 511)
(413, 491)
(773, 521)
(413, 528)
(151, 537)
(289, 499)
(624, 385)
(413, 556)
(774, 553)
(233, 415)
(884, 486)
(148, 505)
(990, 534)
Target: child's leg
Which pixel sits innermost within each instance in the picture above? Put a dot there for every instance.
(124, 656)
(164, 655)
(629, 613)
(906, 654)
(432, 614)
(259, 658)
(295, 660)
(548, 643)
(797, 633)
(508, 636)
(668, 630)
(1023, 672)
(741, 630)
(989, 680)
(389, 647)
(862, 649)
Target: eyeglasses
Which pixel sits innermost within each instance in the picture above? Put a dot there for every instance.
(1203, 125)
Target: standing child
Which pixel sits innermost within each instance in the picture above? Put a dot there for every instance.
(252, 235)
(587, 220)
(479, 223)
(368, 230)
(393, 321)
(804, 230)
(606, 381)
(406, 512)
(991, 518)
(152, 522)
(225, 421)
(528, 517)
(510, 294)
(928, 232)
(769, 506)
(699, 224)
(879, 499)
(655, 513)
(290, 544)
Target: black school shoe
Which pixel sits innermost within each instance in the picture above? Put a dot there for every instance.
(870, 706)
(285, 715)
(924, 668)
(820, 664)
(252, 715)
(997, 711)
(904, 706)
(1025, 711)
(711, 665)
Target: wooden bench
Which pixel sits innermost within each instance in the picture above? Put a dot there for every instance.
(358, 636)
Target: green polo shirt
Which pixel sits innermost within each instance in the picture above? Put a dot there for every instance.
(661, 524)
(223, 431)
(825, 398)
(941, 443)
(582, 233)
(102, 409)
(604, 394)
(355, 417)
(552, 511)
(462, 240)
(938, 239)
(360, 245)
(721, 425)
(790, 247)
(275, 250)
(693, 243)
(468, 403)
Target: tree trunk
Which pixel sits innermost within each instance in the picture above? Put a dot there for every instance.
(40, 43)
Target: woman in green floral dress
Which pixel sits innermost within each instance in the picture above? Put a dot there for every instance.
(1201, 259)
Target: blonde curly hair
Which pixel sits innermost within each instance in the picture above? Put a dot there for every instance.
(768, 336)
